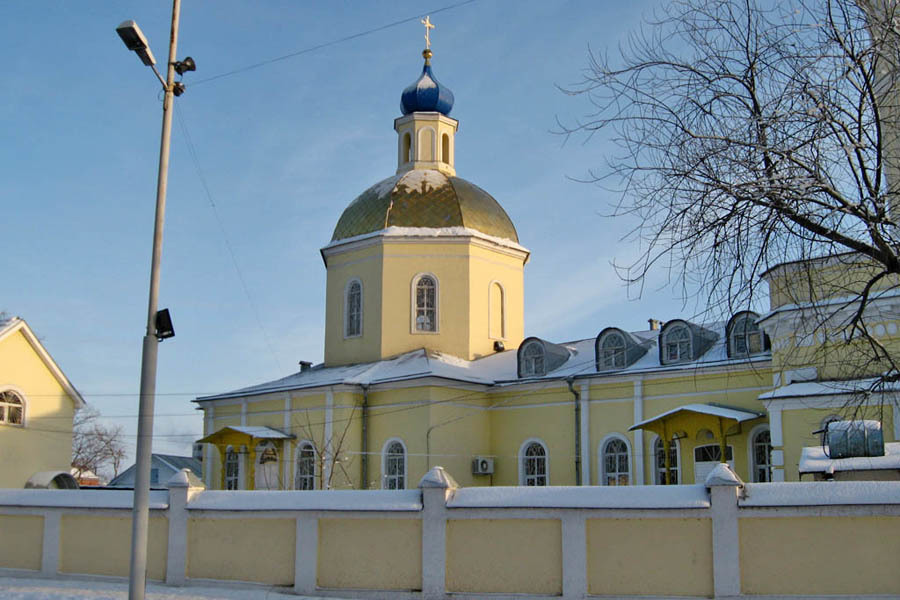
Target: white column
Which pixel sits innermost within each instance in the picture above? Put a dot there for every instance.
(287, 471)
(50, 544)
(574, 555)
(329, 432)
(724, 486)
(209, 449)
(638, 448)
(776, 434)
(176, 552)
(584, 400)
(436, 486)
(306, 554)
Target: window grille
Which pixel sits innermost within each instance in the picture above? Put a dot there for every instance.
(746, 338)
(426, 304)
(232, 470)
(353, 325)
(678, 344)
(762, 456)
(615, 463)
(612, 350)
(534, 465)
(533, 359)
(306, 468)
(659, 453)
(395, 467)
(12, 408)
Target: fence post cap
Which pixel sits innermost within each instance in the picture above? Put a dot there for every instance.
(179, 480)
(437, 477)
(722, 475)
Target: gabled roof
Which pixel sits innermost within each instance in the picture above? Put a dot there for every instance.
(736, 414)
(11, 325)
(182, 462)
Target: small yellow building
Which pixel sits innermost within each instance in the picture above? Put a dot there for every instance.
(37, 405)
(427, 362)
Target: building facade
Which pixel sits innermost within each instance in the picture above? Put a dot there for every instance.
(427, 362)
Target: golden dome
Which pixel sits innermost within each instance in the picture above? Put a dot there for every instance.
(424, 198)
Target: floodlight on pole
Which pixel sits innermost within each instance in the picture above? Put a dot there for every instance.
(159, 323)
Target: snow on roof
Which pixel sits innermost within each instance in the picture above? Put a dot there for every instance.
(261, 432)
(430, 232)
(663, 496)
(738, 414)
(370, 500)
(815, 460)
(498, 369)
(820, 493)
(839, 302)
(98, 498)
(829, 388)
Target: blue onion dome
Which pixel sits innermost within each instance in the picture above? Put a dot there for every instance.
(426, 94)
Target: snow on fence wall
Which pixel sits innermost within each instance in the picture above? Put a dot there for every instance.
(723, 539)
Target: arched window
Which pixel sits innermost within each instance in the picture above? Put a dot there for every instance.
(394, 465)
(612, 350)
(761, 455)
(445, 149)
(533, 359)
(353, 309)
(614, 463)
(496, 316)
(660, 458)
(406, 152)
(533, 464)
(425, 295)
(745, 337)
(677, 344)
(707, 457)
(12, 408)
(232, 469)
(306, 467)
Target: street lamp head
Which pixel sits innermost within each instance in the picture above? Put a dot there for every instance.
(183, 66)
(134, 40)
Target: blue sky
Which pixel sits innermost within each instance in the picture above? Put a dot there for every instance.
(283, 149)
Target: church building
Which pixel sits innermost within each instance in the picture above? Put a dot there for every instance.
(427, 362)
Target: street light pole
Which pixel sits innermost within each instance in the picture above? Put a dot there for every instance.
(141, 511)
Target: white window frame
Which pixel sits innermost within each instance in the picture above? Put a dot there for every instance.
(237, 476)
(728, 447)
(528, 369)
(384, 457)
(414, 307)
(665, 345)
(623, 347)
(347, 308)
(492, 316)
(751, 450)
(4, 407)
(305, 444)
(656, 471)
(601, 457)
(522, 449)
(757, 331)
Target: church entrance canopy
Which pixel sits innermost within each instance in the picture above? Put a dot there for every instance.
(253, 438)
(689, 420)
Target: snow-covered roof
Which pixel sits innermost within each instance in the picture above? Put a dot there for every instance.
(499, 369)
(738, 414)
(815, 460)
(829, 388)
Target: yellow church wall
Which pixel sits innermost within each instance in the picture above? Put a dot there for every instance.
(366, 265)
(609, 418)
(246, 549)
(347, 431)
(836, 358)
(460, 429)
(22, 543)
(92, 545)
(553, 425)
(227, 410)
(45, 441)
(512, 556)
(803, 555)
(386, 554)
(620, 553)
(819, 280)
(402, 414)
(489, 266)
(612, 390)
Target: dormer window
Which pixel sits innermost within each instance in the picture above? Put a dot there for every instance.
(677, 344)
(533, 359)
(745, 338)
(612, 351)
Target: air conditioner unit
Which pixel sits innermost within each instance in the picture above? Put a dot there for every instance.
(482, 465)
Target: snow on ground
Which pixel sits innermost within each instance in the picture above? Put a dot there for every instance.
(22, 588)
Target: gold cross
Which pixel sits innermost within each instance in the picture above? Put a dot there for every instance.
(427, 23)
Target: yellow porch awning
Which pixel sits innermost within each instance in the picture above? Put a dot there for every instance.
(245, 434)
(691, 418)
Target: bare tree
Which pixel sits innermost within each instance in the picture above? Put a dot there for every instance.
(755, 133)
(96, 446)
(331, 461)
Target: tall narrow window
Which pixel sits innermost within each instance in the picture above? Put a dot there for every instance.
(612, 350)
(353, 309)
(445, 149)
(406, 152)
(426, 303)
(497, 318)
(306, 467)
(232, 469)
(533, 465)
(761, 451)
(660, 457)
(677, 344)
(12, 408)
(615, 463)
(394, 466)
(533, 359)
